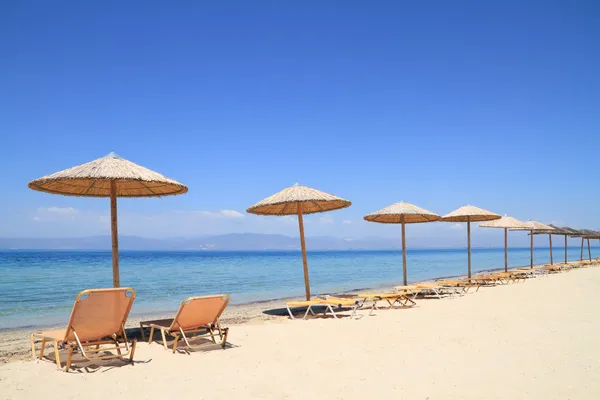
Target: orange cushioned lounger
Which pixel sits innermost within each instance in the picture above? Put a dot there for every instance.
(98, 319)
(197, 315)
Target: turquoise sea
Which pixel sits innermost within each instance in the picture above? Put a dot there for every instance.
(39, 287)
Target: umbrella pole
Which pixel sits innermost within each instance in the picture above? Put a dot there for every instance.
(505, 249)
(404, 251)
(581, 255)
(551, 261)
(469, 242)
(303, 244)
(589, 250)
(531, 251)
(566, 249)
(114, 233)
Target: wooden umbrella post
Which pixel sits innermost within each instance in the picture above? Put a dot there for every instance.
(531, 251)
(581, 255)
(566, 256)
(589, 250)
(114, 233)
(303, 245)
(505, 249)
(469, 243)
(551, 261)
(404, 251)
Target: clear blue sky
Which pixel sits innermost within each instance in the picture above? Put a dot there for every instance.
(438, 103)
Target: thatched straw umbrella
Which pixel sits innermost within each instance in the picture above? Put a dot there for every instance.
(559, 231)
(299, 200)
(470, 214)
(588, 234)
(555, 231)
(402, 213)
(573, 233)
(533, 226)
(109, 176)
(506, 223)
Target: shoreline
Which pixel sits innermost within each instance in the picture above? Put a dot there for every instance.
(464, 347)
(257, 303)
(14, 342)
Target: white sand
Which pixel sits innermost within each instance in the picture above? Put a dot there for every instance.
(534, 340)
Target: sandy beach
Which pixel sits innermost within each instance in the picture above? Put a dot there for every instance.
(536, 339)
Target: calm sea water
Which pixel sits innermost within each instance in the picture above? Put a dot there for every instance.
(39, 287)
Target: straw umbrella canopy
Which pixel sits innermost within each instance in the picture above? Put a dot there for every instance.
(555, 231)
(558, 231)
(470, 214)
(533, 226)
(109, 176)
(574, 233)
(402, 213)
(505, 223)
(299, 200)
(589, 234)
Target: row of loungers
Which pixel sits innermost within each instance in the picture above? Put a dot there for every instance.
(99, 315)
(96, 327)
(404, 296)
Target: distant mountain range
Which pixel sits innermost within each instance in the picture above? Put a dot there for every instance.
(233, 241)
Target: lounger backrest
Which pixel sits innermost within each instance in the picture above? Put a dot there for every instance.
(98, 313)
(199, 311)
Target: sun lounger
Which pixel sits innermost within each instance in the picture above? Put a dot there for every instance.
(488, 279)
(552, 269)
(411, 291)
(427, 289)
(463, 286)
(327, 302)
(198, 316)
(438, 290)
(393, 299)
(98, 319)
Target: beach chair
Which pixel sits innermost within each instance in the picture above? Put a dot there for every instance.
(402, 300)
(327, 302)
(486, 279)
(197, 316)
(411, 291)
(464, 286)
(427, 289)
(437, 290)
(552, 269)
(97, 319)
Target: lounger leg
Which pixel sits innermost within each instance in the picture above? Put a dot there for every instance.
(290, 312)
(69, 358)
(175, 343)
(132, 350)
(162, 332)
(212, 334)
(332, 312)
(219, 330)
(307, 311)
(151, 335)
(142, 330)
(225, 337)
(118, 348)
(56, 354)
(373, 307)
(33, 347)
(407, 299)
(42, 349)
